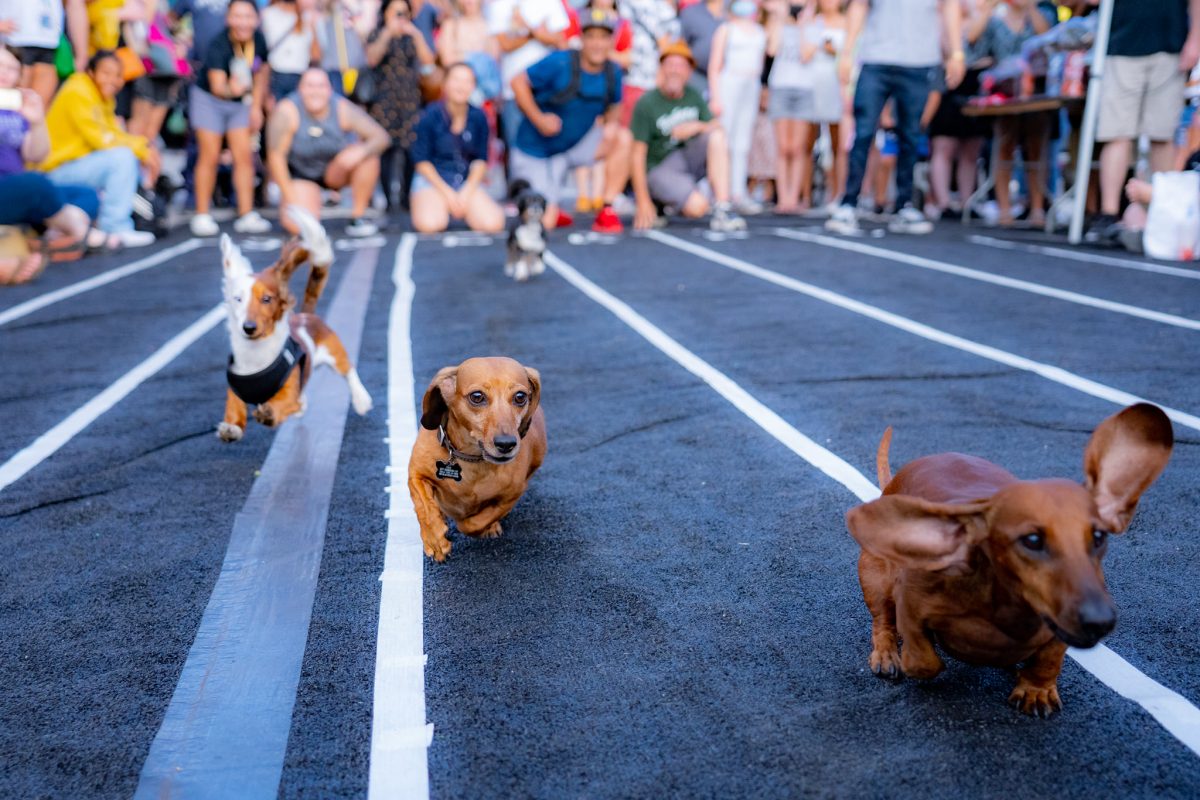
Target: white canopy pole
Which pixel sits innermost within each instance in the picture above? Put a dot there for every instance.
(1091, 114)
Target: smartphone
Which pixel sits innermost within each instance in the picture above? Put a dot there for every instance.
(11, 100)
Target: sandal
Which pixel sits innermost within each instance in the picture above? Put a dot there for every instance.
(15, 270)
(60, 248)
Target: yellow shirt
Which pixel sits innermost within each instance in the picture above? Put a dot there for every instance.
(80, 121)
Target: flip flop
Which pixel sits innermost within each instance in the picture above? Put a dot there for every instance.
(15, 270)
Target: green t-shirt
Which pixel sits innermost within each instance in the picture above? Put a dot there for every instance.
(656, 115)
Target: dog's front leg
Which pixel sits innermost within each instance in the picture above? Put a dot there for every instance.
(432, 521)
(486, 523)
(234, 424)
(878, 581)
(918, 659)
(1036, 692)
(286, 402)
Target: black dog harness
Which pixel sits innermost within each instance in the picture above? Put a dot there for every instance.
(261, 386)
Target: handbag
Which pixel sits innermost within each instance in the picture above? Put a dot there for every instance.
(162, 59)
(132, 67)
(64, 58)
(366, 90)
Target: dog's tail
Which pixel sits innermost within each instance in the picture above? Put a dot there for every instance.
(882, 468)
(315, 240)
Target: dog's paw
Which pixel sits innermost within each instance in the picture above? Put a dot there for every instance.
(228, 432)
(1036, 701)
(491, 531)
(886, 663)
(436, 547)
(265, 415)
(538, 267)
(361, 401)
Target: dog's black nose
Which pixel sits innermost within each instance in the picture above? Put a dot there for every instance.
(505, 444)
(1097, 616)
(249, 328)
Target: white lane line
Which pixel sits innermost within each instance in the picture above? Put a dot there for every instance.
(115, 274)
(1173, 711)
(400, 735)
(1047, 371)
(987, 277)
(1086, 257)
(49, 442)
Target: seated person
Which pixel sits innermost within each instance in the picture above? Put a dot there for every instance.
(316, 140)
(676, 143)
(562, 97)
(89, 148)
(450, 157)
(30, 198)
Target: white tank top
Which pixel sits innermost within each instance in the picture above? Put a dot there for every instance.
(745, 47)
(39, 23)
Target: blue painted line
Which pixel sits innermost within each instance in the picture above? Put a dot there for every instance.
(225, 731)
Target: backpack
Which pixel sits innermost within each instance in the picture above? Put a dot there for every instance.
(571, 91)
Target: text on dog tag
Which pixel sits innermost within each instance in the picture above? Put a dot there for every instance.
(449, 469)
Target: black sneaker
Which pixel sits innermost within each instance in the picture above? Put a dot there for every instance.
(1101, 230)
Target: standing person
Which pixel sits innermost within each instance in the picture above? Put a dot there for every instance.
(1152, 49)
(208, 23)
(464, 34)
(956, 139)
(155, 92)
(317, 140)
(342, 51)
(526, 31)
(291, 42)
(571, 101)
(33, 28)
(451, 161)
(697, 24)
(653, 21)
(734, 73)
(226, 104)
(397, 51)
(676, 144)
(900, 53)
(89, 148)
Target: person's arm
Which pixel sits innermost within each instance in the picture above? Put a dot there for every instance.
(475, 175)
(371, 135)
(956, 61)
(808, 50)
(547, 124)
(258, 96)
(447, 42)
(75, 14)
(1036, 18)
(425, 55)
(978, 22)
(377, 47)
(36, 146)
(646, 212)
(281, 128)
(716, 60)
(856, 17)
(1190, 55)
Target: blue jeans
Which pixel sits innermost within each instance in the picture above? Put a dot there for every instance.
(113, 173)
(30, 198)
(908, 88)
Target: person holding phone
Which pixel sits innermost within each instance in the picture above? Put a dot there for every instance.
(31, 198)
(227, 104)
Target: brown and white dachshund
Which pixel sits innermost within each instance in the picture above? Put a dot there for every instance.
(997, 571)
(482, 437)
(273, 349)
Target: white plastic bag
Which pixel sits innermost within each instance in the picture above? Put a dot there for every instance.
(1173, 223)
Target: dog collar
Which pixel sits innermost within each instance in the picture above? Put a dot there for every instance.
(456, 455)
(259, 387)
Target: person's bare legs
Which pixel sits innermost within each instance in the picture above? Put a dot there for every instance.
(1032, 152)
(1114, 169)
(969, 151)
(945, 148)
(70, 221)
(146, 119)
(483, 214)
(429, 211)
(208, 153)
(306, 195)
(1002, 170)
(804, 163)
(695, 206)
(243, 169)
(787, 188)
(43, 79)
(362, 182)
(1162, 154)
(718, 165)
(617, 164)
(840, 164)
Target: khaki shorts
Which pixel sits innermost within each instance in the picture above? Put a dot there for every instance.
(1141, 96)
(548, 176)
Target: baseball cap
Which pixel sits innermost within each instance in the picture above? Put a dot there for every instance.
(677, 47)
(598, 18)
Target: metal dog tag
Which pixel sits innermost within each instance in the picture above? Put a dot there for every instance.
(449, 469)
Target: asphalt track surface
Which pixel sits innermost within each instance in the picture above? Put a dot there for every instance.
(673, 610)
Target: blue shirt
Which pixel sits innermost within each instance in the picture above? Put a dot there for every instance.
(450, 154)
(547, 78)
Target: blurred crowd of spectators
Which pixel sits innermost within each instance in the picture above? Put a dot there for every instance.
(634, 108)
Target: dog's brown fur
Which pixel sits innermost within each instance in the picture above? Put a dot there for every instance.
(488, 490)
(947, 557)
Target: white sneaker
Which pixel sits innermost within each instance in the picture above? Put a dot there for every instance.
(204, 225)
(910, 220)
(748, 207)
(725, 221)
(251, 222)
(844, 221)
(359, 228)
(135, 238)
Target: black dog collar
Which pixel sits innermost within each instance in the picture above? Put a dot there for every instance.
(261, 386)
(456, 455)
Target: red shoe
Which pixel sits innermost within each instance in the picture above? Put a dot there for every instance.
(608, 222)
(565, 220)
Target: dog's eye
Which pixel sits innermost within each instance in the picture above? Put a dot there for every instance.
(520, 398)
(266, 299)
(477, 398)
(1034, 541)
(1099, 537)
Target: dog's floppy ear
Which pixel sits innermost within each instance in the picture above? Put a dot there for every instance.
(1126, 453)
(535, 396)
(918, 534)
(434, 409)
